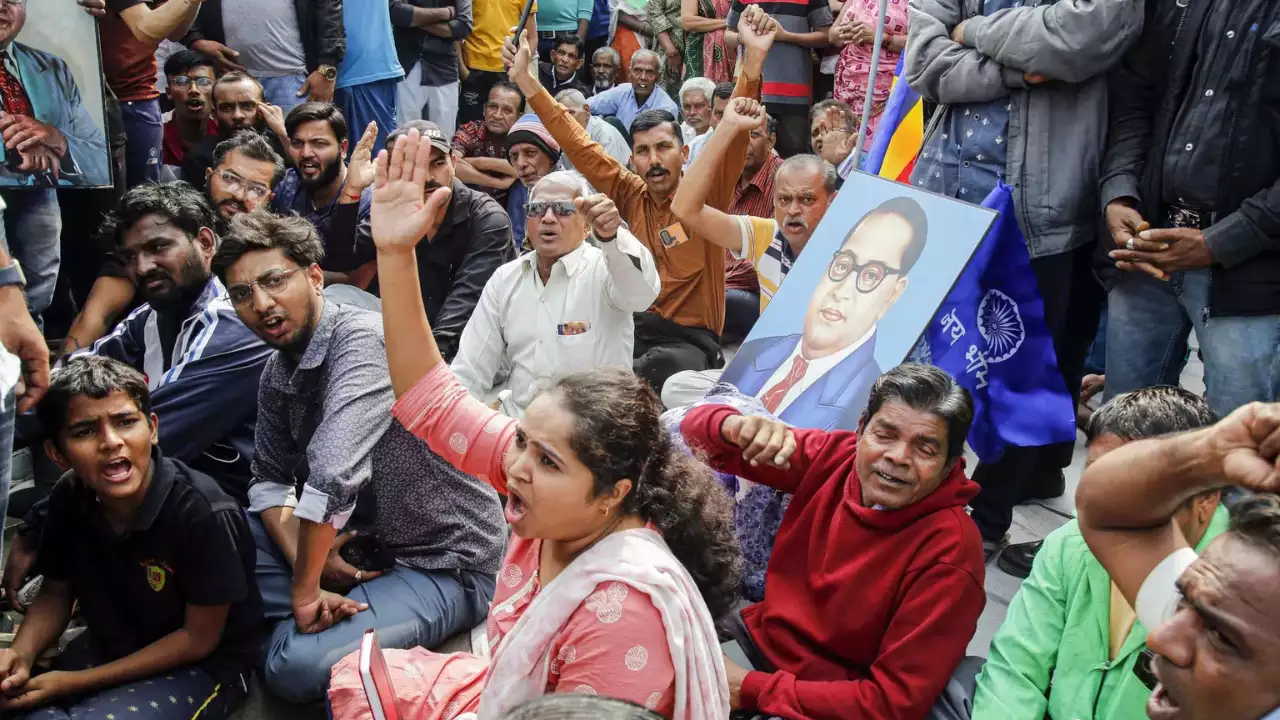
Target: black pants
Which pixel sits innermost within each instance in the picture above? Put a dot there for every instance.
(664, 348)
(1072, 305)
(473, 93)
(793, 128)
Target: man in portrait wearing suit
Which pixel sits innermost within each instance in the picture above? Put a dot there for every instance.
(49, 136)
(820, 377)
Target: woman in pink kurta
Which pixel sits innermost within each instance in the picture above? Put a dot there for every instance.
(854, 32)
(590, 598)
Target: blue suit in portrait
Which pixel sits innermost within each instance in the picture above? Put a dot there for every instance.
(834, 401)
(55, 100)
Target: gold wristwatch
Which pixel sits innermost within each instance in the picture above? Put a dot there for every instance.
(329, 72)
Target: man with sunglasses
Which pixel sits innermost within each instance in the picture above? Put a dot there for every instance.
(190, 87)
(820, 377)
(429, 535)
(563, 308)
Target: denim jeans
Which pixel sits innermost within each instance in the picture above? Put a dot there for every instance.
(1147, 333)
(407, 607)
(282, 91)
(361, 104)
(145, 130)
(30, 232)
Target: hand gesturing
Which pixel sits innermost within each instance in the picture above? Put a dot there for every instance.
(401, 214)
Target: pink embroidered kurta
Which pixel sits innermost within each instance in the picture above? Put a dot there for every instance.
(613, 645)
(854, 66)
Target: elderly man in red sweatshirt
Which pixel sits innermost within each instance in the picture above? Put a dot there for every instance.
(875, 584)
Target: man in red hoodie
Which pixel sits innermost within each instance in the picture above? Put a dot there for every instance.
(875, 584)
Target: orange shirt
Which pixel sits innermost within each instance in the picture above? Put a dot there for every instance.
(692, 272)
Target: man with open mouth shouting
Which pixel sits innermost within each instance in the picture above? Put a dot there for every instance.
(1213, 622)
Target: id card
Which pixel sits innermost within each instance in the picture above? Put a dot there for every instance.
(673, 235)
(574, 327)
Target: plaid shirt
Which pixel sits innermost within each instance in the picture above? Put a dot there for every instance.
(473, 139)
(754, 199)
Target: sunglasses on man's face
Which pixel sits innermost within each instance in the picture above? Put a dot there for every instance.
(561, 208)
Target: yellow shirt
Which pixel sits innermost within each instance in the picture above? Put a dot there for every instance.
(762, 245)
(493, 20)
(1121, 621)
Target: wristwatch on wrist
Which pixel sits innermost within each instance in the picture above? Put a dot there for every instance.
(328, 72)
(12, 275)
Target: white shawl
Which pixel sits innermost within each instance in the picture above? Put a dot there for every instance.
(638, 558)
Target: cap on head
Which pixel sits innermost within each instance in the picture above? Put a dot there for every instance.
(528, 129)
(428, 130)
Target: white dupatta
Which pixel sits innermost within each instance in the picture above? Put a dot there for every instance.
(640, 559)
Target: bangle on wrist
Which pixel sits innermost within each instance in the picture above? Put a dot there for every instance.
(349, 195)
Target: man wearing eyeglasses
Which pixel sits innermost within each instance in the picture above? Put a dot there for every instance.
(563, 308)
(190, 87)
(245, 168)
(433, 536)
(821, 377)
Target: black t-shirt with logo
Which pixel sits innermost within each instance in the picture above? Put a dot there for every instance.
(189, 545)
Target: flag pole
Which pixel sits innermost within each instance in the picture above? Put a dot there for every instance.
(871, 83)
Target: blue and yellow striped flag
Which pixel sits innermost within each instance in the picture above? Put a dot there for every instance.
(900, 134)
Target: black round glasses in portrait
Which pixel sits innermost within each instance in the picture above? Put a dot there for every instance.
(869, 275)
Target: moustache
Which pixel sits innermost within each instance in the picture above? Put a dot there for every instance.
(655, 171)
(233, 203)
(143, 280)
(796, 220)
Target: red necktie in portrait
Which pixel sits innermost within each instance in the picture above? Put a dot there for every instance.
(774, 396)
(13, 99)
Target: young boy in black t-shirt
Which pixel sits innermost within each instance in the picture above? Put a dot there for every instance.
(160, 559)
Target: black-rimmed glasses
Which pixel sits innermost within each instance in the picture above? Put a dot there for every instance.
(869, 275)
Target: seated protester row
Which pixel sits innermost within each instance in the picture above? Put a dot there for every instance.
(803, 191)
(158, 557)
(325, 426)
(600, 131)
(480, 146)
(562, 72)
(321, 181)
(1213, 622)
(461, 252)
(237, 105)
(190, 76)
(629, 99)
(878, 632)
(592, 599)
(563, 308)
(533, 153)
(681, 331)
(245, 167)
(1070, 647)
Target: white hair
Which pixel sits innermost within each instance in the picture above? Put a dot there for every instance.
(571, 98)
(699, 84)
(646, 53)
(568, 179)
(617, 59)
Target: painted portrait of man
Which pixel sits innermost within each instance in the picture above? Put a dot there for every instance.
(821, 376)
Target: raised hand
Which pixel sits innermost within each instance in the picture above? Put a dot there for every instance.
(273, 117)
(601, 214)
(762, 440)
(743, 114)
(1248, 443)
(756, 30)
(401, 214)
(521, 63)
(360, 169)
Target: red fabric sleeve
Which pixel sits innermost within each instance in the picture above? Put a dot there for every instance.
(924, 644)
(701, 430)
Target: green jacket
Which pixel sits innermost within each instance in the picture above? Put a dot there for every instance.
(1050, 657)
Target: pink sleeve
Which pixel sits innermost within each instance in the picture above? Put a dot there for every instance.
(615, 645)
(456, 426)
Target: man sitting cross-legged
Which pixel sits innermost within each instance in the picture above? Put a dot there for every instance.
(158, 557)
(562, 308)
(429, 537)
(875, 583)
(681, 331)
(1070, 645)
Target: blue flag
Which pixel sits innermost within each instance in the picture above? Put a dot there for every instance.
(990, 335)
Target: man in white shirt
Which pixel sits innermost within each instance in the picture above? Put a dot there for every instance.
(599, 130)
(719, 101)
(1213, 619)
(563, 308)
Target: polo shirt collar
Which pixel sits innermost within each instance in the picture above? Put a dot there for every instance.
(318, 347)
(162, 479)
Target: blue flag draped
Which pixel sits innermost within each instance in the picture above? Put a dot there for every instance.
(990, 335)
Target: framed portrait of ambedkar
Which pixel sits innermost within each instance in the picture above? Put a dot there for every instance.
(856, 300)
(52, 115)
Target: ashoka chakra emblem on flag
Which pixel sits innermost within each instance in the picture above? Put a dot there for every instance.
(1000, 324)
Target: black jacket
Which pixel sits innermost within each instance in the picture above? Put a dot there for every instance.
(324, 38)
(1157, 81)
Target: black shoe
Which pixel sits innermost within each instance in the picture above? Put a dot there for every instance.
(1016, 559)
(1046, 487)
(993, 547)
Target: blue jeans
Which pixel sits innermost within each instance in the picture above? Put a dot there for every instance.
(30, 233)
(364, 103)
(407, 607)
(282, 91)
(1147, 333)
(144, 128)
